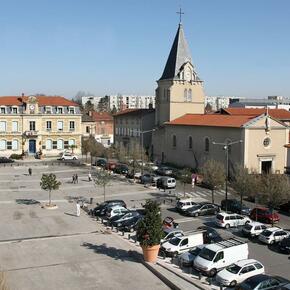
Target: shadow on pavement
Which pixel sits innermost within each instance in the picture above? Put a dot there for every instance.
(27, 201)
(117, 254)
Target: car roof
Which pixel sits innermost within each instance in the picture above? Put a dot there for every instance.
(253, 223)
(227, 214)
(274, 229)
(258, 278)
(245, 262)
(260, 207)
(116, 206)
(185, 200)
(171, 230)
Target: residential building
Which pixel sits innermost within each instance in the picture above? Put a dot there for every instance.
(134, 126)
(219, 102)
(32, 123)
(100, 125)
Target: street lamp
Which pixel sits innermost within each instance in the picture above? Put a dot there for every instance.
(226, 148)
(142, 141)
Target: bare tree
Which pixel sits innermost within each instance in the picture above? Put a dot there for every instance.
(103, 179)
(213, 175)
(85, 148)
(185, 177)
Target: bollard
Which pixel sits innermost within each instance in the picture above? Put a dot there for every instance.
(123, 233)
(209, 281)
(221, 287)
(164, 201)
(91, 200)
(199, 276)
(102, 221)
(97, 218)
(135, 239)
(129, 236)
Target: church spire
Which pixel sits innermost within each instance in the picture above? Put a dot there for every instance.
(178, 56)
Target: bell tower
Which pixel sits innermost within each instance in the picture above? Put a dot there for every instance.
(179, 90)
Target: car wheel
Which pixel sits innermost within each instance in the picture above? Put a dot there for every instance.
(74, 158)
(272, 243)
(212, 272)
(233, 283)
(247, 222)
(175, 254)
(215, 212)
(196, 214)
(227, 226)
(131, 230)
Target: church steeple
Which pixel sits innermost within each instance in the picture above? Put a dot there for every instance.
(178, 56)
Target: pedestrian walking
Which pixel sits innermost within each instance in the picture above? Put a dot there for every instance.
(90, 176)
(78, 209)
(29, 171)
(73, 179)
(76, 178)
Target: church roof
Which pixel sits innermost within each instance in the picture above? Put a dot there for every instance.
(178, 56)
(279, 114)
(212, 120)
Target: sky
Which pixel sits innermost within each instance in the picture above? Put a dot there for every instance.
(60, 47)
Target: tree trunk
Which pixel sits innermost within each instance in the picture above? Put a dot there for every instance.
(104, 193)
(184, 189)
(241, 195)
(49, 198)
(212, 195)
(87, 157)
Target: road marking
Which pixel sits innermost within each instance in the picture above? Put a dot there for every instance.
(184, 220)
(202, 194)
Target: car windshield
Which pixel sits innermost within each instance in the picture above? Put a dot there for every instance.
(248, 227)
(175, 241)
(219, 217)
(267, 212)
(195, 207)
(235, 269)
(266, 233)
(207, 254)
(195, 251)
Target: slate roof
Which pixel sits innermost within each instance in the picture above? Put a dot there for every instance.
(178, 56)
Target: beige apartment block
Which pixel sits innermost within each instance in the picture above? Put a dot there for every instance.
(29, 124)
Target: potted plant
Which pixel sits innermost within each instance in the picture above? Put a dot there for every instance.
(149, 231)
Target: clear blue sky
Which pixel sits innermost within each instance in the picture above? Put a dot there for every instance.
(104, 47)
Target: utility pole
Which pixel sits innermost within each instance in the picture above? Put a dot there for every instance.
(226, 147)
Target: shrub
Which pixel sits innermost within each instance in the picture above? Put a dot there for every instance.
(15, 156)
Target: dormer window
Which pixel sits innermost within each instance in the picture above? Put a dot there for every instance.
(71, 110)
(48, 110)
(14, 110)
(3, 110)
(60, 110)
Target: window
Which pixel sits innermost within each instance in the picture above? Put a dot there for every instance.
(87, 129)
(184, 242)
(206, 144)
(71, 110)
(185, 95)
(32, 125)
(66, 145)
(54, 144)
(9, 145)
(219, 256)
(189, 142)
(48, 144)
(174, 141)
(60, 144)
(60, 125)
(3, 110)
(48, 110)
(14, 126)
(14, 144)
(59, 110)
(71, 142)
(2, 126)
(189, 95)
(14, 110)
(72, 125)
(267, 142)
(48, 125)
(258, 266)
(2, 144)
(103, 131)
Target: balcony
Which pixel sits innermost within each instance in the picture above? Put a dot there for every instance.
(31, 133)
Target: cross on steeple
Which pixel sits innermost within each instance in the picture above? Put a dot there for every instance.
(180, 14)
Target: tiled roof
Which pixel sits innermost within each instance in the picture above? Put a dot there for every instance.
(211, 120)
(102, 116)
(134, 111)
(42, 101)
(279, 114)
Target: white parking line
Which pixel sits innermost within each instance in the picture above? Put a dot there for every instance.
(201, 193)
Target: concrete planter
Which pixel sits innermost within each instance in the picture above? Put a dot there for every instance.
(150, 253)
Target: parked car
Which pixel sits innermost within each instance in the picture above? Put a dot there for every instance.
(210, 235)
(6, 160)
(273, 235)
(121, 169)
(169, 223)
(216, 256)
(68, 156)
(100, 210)
(284, 245)
(166, 182)
(130, 224)
(151, 166)
(181, 244)
(227, 220)
(265, 215)
(239, 272)
(183, 204)
(203, 208)
(186, 259)
(101, 163)
(253, 229)
(262, 281)
(115, 210)
(118, 221)
(235, 206)
(163, 170)
(285, 207)
(171, 233)
(110, 165)
(149, 178)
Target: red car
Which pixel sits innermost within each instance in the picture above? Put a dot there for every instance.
(263, 214)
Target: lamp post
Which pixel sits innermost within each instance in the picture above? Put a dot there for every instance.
(226, 147)
(142, 142)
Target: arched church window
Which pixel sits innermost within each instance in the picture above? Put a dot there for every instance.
(185, 95)
(206, 144)
(189, 95)
(174, 141)
(189, 142)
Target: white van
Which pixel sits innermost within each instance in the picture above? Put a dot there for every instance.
(166, 182)
(180, 244)
(183, 204)
(215, 257)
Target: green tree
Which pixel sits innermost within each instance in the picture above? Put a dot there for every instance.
(49, 183)
(185, 177)
(72, 147)
(275, 190)
(213, 175)
(149, 230)
(89, 106)
(103, 179)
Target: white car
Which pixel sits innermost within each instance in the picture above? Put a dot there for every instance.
(227, 220)
(239, 271)
(116, 210)
(183, 204)
(273, 235)
(68, 156)
(253, 229)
